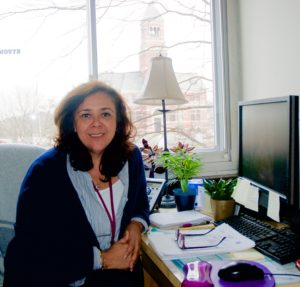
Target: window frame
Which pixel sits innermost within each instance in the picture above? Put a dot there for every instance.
(221, 162)
(218, 161)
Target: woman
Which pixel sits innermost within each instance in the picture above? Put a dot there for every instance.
(83, 204)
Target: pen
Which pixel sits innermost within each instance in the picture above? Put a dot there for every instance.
(189, 226)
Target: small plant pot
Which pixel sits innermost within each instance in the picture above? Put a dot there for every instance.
(184, 200)
(222, 209)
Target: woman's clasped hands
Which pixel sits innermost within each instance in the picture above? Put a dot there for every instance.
(124, 253)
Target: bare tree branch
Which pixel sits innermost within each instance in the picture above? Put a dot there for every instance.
(166, 11)
(162, 48)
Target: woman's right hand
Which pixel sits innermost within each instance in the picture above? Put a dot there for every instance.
(115, 256)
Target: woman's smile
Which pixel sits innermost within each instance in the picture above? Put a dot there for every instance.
(97, 135)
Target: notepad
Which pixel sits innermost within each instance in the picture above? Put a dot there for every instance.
(175, 219)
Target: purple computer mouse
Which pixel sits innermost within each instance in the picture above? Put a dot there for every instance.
(197, 274)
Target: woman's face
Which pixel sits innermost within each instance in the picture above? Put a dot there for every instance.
(96, 122)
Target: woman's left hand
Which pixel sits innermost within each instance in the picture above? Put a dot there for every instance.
(134, 230)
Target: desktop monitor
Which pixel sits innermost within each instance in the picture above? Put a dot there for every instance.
(269, 148)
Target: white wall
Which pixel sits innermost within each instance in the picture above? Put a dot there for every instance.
(264, 55)
(270, 48)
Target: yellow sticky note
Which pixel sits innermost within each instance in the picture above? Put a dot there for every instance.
(247, 255)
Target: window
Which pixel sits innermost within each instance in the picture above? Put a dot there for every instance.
(154, 31)
(44, 54)
(51, 58)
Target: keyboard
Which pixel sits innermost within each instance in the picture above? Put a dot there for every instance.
(278, 244)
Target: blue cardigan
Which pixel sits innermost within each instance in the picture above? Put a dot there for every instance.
(53, 243)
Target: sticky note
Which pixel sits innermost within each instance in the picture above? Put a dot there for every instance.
(252, 198)
(273, 206)
(241, 191)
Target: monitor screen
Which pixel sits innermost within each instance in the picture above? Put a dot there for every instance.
(268, 145)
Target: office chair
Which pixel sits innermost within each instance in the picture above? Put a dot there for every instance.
(15, 159)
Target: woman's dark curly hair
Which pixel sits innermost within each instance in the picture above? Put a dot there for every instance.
(120, 148)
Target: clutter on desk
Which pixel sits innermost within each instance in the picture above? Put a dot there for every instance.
(218, 274)
(227, 258)
(228, 240)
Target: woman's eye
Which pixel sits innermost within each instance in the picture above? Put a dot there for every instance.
(85, 115)
(105, 115)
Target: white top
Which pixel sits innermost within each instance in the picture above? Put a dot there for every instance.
(95, 211)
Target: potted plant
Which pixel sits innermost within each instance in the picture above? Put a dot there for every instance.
(149, 155)
(220, 192)
(183, 165)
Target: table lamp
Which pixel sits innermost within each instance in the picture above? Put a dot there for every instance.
(162, 88)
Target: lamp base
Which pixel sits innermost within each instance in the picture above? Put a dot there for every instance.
(168, 201)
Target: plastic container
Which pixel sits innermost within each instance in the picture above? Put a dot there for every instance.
(197, 183)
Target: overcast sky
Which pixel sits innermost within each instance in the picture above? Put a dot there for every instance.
(49, 47)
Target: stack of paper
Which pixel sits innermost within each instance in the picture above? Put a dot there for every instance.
(174, 219)
(164, 243)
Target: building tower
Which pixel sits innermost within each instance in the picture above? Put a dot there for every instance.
(152, 37)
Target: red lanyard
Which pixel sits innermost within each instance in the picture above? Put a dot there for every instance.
(111, 217)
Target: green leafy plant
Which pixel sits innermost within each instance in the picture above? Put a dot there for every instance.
(220, 189)
(182, 164)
